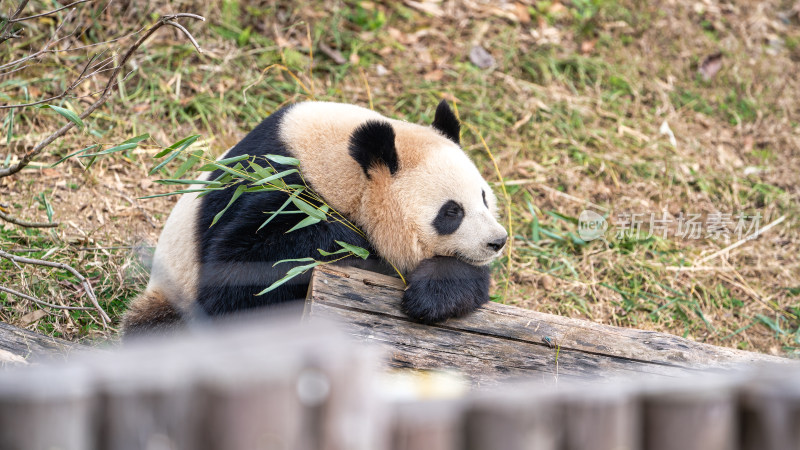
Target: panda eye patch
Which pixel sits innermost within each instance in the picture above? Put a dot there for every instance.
(483, 194)
(449, 218)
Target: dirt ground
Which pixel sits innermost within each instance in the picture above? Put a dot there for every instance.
(616, 107)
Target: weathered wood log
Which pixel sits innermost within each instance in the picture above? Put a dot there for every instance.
(500, 341)
(29, 345)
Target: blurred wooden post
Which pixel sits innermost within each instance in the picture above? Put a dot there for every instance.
(513, 418)
(692, 415)
(601, 417)
(427, 425)
(770, 411)
(46, 407)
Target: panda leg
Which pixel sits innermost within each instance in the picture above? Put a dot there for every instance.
(444, 287)
(150, 313)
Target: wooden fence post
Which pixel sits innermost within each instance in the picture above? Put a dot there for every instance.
(695, 414)
(46, 407)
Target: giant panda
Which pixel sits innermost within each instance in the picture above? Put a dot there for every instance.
(422, 204)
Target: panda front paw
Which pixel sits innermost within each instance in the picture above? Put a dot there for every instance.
(443, 287)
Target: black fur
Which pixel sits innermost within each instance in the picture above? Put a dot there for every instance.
(447, 123)
(372, 144)
(237, 261)
(450, 216)
(443, 287)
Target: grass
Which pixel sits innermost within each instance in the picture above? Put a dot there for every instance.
(571, 113)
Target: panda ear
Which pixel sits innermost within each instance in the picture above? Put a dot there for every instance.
(446, 122)
(372, 144)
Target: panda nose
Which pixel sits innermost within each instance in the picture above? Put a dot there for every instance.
(497, 244)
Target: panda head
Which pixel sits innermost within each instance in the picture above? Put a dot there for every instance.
(425, 180)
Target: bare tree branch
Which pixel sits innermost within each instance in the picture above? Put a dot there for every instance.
(6, 36)
(25, 223)
(87, 287)
(81, 78)
(52, 41)
(42, 302)
(49, 12)
(112, 84)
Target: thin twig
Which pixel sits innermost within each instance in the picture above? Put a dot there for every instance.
(46, 47)
(3, 35)
(42, 302)
(49, 12)
(25, 223)
(28, 157)
(87, 287)
(740, 242)
(81, 78)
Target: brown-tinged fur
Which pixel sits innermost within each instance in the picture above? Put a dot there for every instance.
(318, 134)
(383, 221)
(150, 312)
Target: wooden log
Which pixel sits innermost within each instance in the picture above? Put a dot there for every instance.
(28, 345)
(499, 341)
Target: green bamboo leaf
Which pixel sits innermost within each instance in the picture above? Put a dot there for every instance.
(324, 253)
(237, 171)
(307, 208)
(275, 213)
(236, 194)
(233, 159)
(194, 158)
(91, 162)
(170, 182)
(308, 221)
(47, 206)
(262, 172)
(295, 271)
(137, 139)
(183, 143)
(91, 147)
(164, 162)
(293, 260)
(114, 149)
(69, 115)
(358, 251)
(285, 160)
(275, 176)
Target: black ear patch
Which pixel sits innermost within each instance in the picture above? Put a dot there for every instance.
(446, 122)
(372, 144)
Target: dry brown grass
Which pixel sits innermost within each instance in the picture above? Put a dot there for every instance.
(573, 106)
